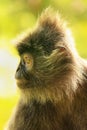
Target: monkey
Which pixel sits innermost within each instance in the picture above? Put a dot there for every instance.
(51, 77)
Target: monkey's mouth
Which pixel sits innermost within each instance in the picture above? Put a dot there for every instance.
(18, 74)
(20, 78)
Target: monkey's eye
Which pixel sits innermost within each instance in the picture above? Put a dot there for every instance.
(28, 60)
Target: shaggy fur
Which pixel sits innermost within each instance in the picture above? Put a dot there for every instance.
(54, 90)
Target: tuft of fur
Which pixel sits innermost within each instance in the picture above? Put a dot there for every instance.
(54, 92)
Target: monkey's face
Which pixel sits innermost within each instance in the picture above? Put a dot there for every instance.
(39, 67)
(44, 56)
(24, 70)
(26, 65)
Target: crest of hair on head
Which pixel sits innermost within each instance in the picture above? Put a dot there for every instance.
(50, 16)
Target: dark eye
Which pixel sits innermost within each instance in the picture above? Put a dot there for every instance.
(28, 60)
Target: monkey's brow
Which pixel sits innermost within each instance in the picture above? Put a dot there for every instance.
(22, 47)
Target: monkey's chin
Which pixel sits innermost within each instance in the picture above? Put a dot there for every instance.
(22, 83)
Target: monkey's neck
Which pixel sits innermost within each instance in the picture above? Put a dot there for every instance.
(60, 92)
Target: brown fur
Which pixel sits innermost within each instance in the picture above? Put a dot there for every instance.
(54, 90)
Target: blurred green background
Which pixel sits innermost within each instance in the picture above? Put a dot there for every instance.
(16, 16)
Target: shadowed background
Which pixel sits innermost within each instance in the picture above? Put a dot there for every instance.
(16, 16)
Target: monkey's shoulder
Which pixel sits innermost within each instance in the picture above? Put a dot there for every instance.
(36, 116)
(48, 116)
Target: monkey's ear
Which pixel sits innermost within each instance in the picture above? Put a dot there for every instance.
(61, 50)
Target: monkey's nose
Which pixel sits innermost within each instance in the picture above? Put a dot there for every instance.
(21, 64)
(18, 69)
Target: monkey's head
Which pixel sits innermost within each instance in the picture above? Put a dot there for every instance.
(45, 54)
